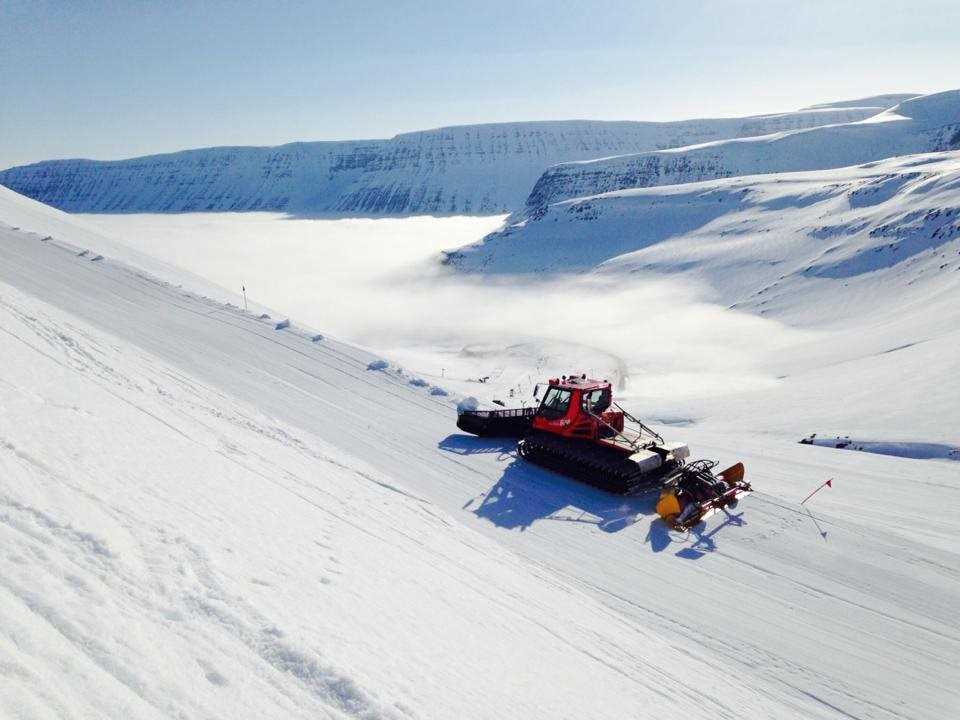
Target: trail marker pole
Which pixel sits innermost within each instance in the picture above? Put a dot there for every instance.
(828, 483)
(244, 288)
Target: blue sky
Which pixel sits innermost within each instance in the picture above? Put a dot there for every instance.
(117, 79)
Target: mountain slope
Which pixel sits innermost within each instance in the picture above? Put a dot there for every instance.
(474, 169)
(867, 257)
(884, 101)
(922, 124)
(170, 551)
(204, 515)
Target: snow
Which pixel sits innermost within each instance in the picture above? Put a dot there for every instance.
(918, 125)
(865, 259)
(388, 294)
(883, 101)
(466, 170)
(205, 516)
(299, 267)
(898, 449)
(172, 552)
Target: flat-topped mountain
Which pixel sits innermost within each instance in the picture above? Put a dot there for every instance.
(470, 169)
(927, 123)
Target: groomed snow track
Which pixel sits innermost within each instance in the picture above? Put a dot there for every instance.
(843, 610)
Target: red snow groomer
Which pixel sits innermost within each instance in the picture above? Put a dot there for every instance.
(579, 431)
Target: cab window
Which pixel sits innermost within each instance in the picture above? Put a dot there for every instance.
(555, 403)
(596, 401)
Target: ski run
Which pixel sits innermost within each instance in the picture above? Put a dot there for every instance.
(204, 516)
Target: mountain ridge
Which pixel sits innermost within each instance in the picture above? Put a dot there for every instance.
(483, 169)
(928, 123)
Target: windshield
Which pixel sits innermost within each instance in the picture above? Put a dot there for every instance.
(555, 402)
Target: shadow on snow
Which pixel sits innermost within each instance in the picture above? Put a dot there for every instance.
(526, 494)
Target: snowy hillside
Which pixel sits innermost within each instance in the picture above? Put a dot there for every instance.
(474, 169)
(868, 256)
(884, 101)
(203, 515)
(923, 124)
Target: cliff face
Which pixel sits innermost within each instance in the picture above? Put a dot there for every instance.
(882, 234)
(924, 124)
(474, 169)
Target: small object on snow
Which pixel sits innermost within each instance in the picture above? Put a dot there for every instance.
(96, 258)
(282, 324)
(418, 382)
(500, 403)
(44, 239)
(264, 317)
(439, 391)
(821, 486)
(316, 338)
(378, 365)
(83, 253)
(468, 404)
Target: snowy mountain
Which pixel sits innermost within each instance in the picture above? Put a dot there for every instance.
(826, 223)
(204, 515)
(474, 169)
(885, 101)
(869, 255)
(922, 124)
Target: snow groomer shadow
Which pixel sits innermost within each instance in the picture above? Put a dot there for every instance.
(473, 445)
(525, 494)
(694, 543)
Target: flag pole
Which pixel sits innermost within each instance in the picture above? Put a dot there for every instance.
(821, 486)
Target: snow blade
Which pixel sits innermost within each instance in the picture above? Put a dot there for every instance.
(733, 474)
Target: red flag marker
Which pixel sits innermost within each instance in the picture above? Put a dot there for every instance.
(828, 483)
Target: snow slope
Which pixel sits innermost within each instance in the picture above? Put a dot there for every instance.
(868, 257)
(884, 101)
(472, 169)
(921, 124)
(202, 515)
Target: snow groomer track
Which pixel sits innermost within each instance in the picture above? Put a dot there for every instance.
(201, 514)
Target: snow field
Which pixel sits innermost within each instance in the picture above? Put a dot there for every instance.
(472, 584)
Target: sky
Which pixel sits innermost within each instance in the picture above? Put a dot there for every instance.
(109, 80)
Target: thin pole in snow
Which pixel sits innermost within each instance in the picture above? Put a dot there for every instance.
(244, 288)
(821, 486)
